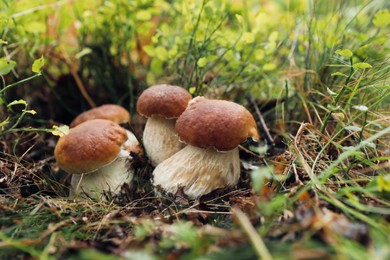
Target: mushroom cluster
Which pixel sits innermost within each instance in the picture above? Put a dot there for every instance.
(212, 130)
(192, 143)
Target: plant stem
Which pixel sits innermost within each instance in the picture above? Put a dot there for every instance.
(364, 124)
(261, 119)
(19, 82)
(339, 95)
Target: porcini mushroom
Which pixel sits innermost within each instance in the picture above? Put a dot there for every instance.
(110, 112)
(162, 105)
(97, 154)
(212, 129)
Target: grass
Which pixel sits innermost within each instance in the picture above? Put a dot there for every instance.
(316, 74)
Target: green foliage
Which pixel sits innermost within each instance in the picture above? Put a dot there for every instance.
(6, 66)
(383, 182)
(327, 58)
(215, 38)
(382, 18)
(38, 64)
(260, 176)
(183, 236)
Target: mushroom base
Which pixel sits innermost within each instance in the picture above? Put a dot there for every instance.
(109, 179)
(160, 140)
(198, 171)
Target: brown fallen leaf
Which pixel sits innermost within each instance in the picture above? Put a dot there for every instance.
(330, 225)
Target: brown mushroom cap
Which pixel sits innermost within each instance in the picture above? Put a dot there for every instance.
(215, 123)
(110, 112)
(163, 100)
(89, 146)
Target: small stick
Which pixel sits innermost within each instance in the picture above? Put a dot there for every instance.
(261, 119)
(76, 77)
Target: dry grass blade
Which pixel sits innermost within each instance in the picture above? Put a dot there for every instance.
(253, 235)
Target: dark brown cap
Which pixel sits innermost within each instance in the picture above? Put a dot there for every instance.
(215, 123)
(163, 100)
(89, 146)
(110, 112)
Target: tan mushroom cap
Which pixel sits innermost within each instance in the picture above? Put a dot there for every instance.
(89, 146)
(220, 124)
(163, 100)
(110, 112)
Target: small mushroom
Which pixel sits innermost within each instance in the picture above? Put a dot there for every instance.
(97, 154)
(212, 129)
(162, 105)
(110, 112)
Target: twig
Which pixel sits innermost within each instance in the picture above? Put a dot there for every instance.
(261, 119)
(256, 240)
(76, 77)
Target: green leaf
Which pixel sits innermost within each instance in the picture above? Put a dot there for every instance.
(259, 176)
(17, 102)
(31, 111)
(192, 90)
(202, 62)
(143, 15)
(83, 52)
(59, 130)
(345, 52)
(156, 67)
(209, 11)
(338, 74)
(384, 183)
(274, 36)
(6, 66)
(269, 66)
(262, 150)
(333, 107)
(382, 18)
(5, 122)
(143, 230)
(161, 53)
(330, 92)
(362, 65)
(35, 27)
(4, 20)
(149, 50)
(239, 19)
(3, 42)
(38, 64)
(248, 37)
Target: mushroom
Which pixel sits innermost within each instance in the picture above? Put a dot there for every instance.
(162, 105)
(97, 154)
(212, 129)
(110, 112)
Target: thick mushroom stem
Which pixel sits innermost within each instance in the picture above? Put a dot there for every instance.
(109, 178)
(198, 171)
(160, 140)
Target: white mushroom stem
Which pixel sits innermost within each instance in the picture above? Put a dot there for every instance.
(108, 178)
(199, 171)
(160, 140)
